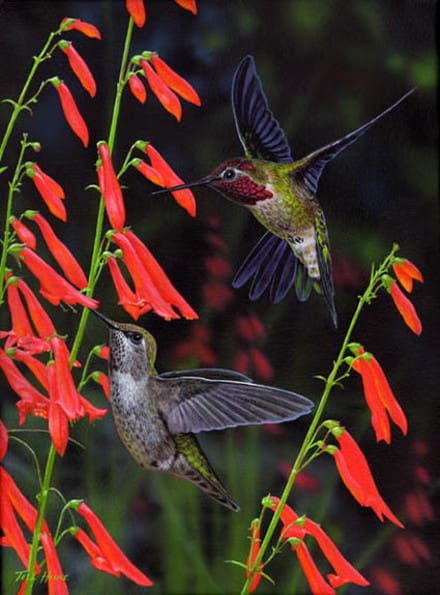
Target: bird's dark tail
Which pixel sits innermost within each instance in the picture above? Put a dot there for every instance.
(272, 264)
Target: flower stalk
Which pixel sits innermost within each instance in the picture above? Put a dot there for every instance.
(332, 380)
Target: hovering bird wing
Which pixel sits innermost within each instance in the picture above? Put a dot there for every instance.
(208, 373)
(260, 134)
(199, 405)
(311, 167)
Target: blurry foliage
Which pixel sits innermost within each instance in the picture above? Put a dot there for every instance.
(326, 67)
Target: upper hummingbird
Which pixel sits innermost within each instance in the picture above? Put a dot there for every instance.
(156, 416)
(281, 194)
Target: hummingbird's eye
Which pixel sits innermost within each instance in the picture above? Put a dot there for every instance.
(229, 174)
(135, 337)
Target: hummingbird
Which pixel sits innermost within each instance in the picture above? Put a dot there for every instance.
(281, 194)
(157, 415)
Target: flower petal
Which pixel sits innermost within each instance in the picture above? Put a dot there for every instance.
(174, 81)
(167, 98)
(406, 309)
(71, 112)
(79, 67)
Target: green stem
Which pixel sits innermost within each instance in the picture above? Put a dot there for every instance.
(7, 231)
(19, 104)
(94, 267)
(310, 436)
(100, 217)
(42, 497)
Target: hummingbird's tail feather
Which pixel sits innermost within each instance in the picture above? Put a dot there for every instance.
(192, 464)
(272, 263)
(313, 164)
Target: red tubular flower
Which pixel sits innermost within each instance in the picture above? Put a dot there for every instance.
(54, 287)
(356, 475)
(91, 411)
(3, 440)
(38, 369)
(63, 391)
(143, 282)
(134, 305)
(39, 316)
(110, 549)
(56, 188)
(406, 308)
(32, 401)
(185, 198)
(166, 97)
(110, 189)
(47, 192)
(379, 396)
(23, 232)
(253, 553)
(103, 380)
(57, 418)
(79, 67)
(318, 585)
(344, 571)
(97, 558)
(67, 24)
(11, 529)
(188, 5)
(21, 325)
(405, 272)
(137, 88)
(71, 111)
(174, 81)
(55, 576)
(149, 172)
(136, 10)
(61, 253)
(160, 280)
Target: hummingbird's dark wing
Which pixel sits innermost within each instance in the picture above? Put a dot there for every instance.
(260, 134)
(311, 167)
(272, 262)
(199, 405)
(209, 373)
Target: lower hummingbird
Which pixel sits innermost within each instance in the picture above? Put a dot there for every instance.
(281, 194)
(157, 415)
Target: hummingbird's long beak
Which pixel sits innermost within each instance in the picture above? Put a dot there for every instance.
(106, 320)
(202, 182)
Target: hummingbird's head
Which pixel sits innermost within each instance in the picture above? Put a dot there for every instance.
(132, 348)
(241, 180)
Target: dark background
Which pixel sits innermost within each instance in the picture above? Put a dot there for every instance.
(327, 66)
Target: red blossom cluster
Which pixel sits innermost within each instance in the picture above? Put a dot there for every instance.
(295, 529)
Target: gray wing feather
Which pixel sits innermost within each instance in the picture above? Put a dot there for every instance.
(201, 405)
